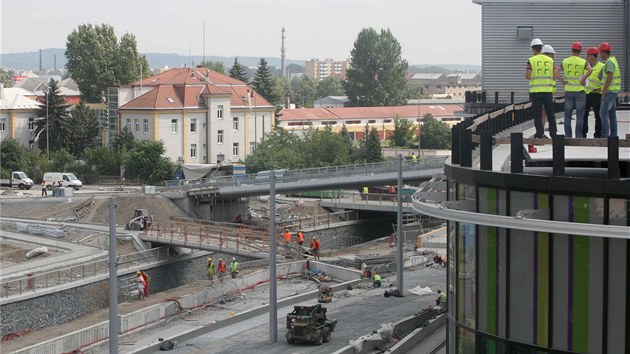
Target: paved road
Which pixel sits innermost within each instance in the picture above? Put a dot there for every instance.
(357, 315)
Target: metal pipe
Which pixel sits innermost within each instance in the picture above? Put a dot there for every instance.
(399, 229)
(113, 280)
(273, 297)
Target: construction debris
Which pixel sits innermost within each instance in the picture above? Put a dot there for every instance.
(83, 208)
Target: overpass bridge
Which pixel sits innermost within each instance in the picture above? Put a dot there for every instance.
(287, 181)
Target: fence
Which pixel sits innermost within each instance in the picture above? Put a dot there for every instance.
(33, 282)
(322, 221)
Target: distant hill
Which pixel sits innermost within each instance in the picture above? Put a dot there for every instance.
(30, 60)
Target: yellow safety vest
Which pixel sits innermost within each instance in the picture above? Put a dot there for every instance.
(377, 277)
(442, 298)
(542, 74)
(615, 85)
(593, 83)
(573, 68)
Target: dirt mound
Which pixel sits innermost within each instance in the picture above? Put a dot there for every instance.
(160, 207)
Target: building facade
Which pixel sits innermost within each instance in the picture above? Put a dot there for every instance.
(200, 115)
(18, 113)
(320, 69)
(538, 247)
(446, 85)
(508, 26)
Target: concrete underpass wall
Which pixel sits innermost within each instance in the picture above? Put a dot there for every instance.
(87, 296)
(223, 210)
(339, 237)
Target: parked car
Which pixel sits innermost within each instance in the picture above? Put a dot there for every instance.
(67, 179)
(18, 179)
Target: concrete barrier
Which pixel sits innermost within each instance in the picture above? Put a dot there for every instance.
(417, 336)
(153, 315)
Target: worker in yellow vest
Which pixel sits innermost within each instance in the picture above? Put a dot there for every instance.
(540, 73)
(593, 91)
(576, 70)
(611, 85)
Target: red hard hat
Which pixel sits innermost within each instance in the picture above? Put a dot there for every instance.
(605, 46)
(576, 45)
(592, 51)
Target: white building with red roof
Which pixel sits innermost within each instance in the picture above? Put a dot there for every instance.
(201, 116)
(355, 118)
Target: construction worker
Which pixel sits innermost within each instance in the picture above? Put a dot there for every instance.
(610, 76)
(376, 282)
(315, 247)
(593, 91)
(221, 270)
(441, 300)
(141, 285)
(234, 268)
(44, 189)
(145, 276)
(540, 73)
(300, 237)
(364, 193)
(576, 70)
(414, 158)
(210, 269)
(287, 236)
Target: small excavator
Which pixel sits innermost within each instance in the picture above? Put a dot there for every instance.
(141, 220)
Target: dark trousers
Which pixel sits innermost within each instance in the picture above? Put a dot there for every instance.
(593, 100)
(540, 100)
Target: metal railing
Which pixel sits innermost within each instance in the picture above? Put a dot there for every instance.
(35, 281)
(283, 176)
(321, 221)
(370, 198)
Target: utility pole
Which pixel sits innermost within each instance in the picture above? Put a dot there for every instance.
(47, 130)
(399, 229)
(273, 297)
(113, 280)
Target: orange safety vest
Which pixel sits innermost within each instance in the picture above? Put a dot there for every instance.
(315, 244)
(287, 236)
(221, 267)
(300, 237)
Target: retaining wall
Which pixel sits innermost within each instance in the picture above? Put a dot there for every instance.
(336, 237)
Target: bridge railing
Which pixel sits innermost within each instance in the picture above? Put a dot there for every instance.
(316, 222)
(283, 176)
(37, 281)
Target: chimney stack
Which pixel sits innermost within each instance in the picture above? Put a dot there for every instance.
(282, 52)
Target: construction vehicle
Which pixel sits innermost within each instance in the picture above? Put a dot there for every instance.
(325, 294)
(141, 220)
(309, 324)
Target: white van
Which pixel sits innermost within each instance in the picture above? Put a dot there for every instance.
(67, 179)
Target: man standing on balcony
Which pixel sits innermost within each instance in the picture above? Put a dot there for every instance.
(540, 73)
(611, 85)
(576, 71)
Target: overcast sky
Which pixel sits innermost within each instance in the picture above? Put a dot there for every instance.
(440, 31)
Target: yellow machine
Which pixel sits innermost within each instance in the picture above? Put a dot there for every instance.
(325, 294)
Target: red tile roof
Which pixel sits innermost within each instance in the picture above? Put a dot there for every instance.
(368, 112)
(163, 97)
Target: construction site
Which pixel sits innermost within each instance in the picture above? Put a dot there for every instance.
(54, 261)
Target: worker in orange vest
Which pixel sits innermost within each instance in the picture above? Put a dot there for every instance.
(221, 270)
(287, 236)
(300, 237)
(315, 247)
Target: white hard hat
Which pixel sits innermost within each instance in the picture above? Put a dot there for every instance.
(547, 49)
(536, 41)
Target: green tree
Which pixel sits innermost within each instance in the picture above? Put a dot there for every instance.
(5, 78)
(330, 86)
(435, 134)
(125, 140)
(265, 84)
(104, 160)
(85, 129)
(58, 123)
(61, 160)
(371, 146)
(377, 74)
(280, 149)
(322, 147)
(239, 71)
(417, 91)
(403, 132)
(96, 60)
(217, 66)
(11, 155)
(145, 162)
(303, 91)
(345, 135)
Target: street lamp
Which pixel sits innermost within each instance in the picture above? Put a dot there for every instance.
(47, 134)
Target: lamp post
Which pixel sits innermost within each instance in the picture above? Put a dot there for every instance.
(47, 133)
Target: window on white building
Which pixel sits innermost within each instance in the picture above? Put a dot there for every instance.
(235, 123)
(220, 137)
(128, 124)
(220, 111)
(252, 147)
(193, 151)
(173, 125)
(136, 124)
(3, 125)
(193, 125)
(235, 149)
(146, 125)
(31, 124)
